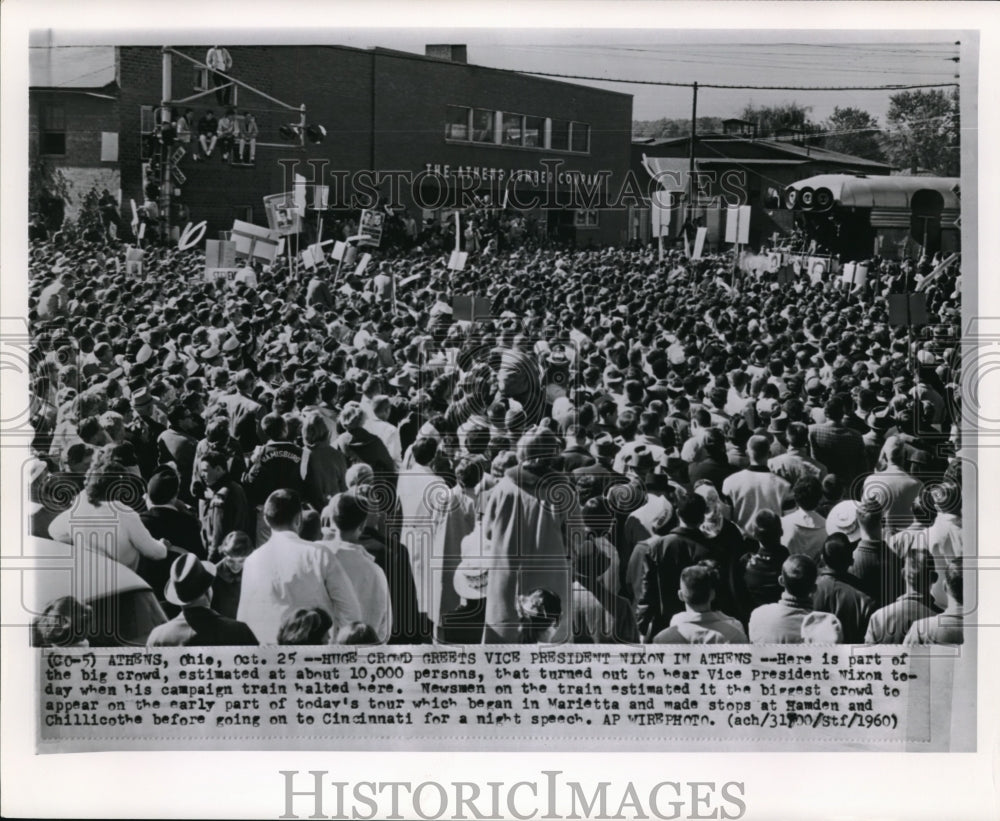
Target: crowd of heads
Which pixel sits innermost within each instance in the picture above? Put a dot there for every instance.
(607, 360)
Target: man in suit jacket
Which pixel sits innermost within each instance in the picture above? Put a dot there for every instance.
(663, 558)
(164, 519)
(197, 625)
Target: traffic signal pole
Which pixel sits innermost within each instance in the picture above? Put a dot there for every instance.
(166, 182)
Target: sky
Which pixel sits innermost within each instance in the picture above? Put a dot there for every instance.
(742, 57)
(762, 58)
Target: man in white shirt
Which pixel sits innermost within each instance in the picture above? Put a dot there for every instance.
(348, 517)
(288, 573)
(218, 59)
(755, 488)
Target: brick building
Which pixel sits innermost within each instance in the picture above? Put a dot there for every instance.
(421, 131)
(73, 117)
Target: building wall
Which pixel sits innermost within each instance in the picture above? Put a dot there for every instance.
(333, 83)
(382, 111)
(85, 118)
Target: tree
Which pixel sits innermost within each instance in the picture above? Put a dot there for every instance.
(853, 131)
(48, 192)
(924, 132)
(771, 118)
(667, 127)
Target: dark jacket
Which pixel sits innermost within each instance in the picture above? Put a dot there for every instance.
(360, 445)
(201, 627)
(756, 580)
(180, 529)
(274, 466)
(665, 558)
(840, 594)
(715, 470)
(878, 571)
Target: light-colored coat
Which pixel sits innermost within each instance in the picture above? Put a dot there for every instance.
(526, 532)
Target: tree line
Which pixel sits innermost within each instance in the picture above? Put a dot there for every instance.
(921, 133)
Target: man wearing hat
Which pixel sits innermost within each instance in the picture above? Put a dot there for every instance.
(164, 519)
(197, 625)
(594, 480)
(144, 430)
(655, 567)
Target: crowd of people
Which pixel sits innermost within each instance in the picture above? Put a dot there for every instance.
(627, 450)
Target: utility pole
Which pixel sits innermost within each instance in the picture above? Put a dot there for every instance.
(166, 181)
(694, 133)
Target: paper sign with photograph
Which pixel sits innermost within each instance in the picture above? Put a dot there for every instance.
(282, 213)
(370, 227)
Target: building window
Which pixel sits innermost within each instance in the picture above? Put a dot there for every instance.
(201, 80)
(52, 134)
(512, 129)
(534, 132)
(560, 135)
(109, 146)
(483, 122)
(580, 137)
(585, 218)
(481, 125)
(457, 125)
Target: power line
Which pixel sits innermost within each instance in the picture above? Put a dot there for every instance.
(893, 87)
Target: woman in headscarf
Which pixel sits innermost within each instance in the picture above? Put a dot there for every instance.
(725, 542)
(756, 573)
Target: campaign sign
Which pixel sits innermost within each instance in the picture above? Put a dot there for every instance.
(370, 227)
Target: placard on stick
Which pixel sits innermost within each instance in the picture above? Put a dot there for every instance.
(283, 213)
(362, 264)
(370, 227)
(908, 309)
(472, 308)
(699, 242)
(456, 262)
(738, 225)
(255, 241)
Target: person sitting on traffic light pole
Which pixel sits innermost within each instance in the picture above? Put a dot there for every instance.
(227, 133)
(208, 136)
